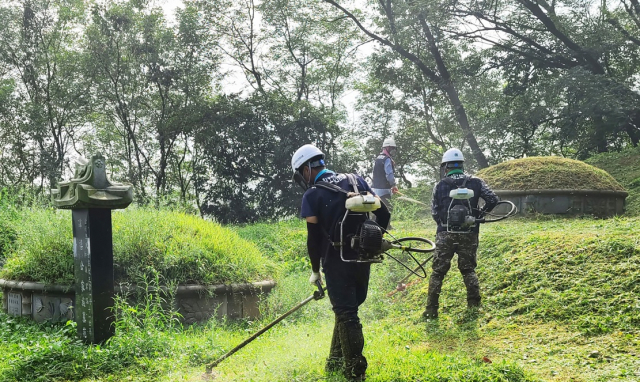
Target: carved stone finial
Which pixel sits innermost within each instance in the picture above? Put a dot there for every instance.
(90, 188)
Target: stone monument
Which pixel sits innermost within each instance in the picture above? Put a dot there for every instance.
(91, 196)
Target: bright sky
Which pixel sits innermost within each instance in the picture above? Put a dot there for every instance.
(169, 7)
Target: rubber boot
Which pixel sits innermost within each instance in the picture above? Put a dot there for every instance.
(352, 341)
(435, 286)
(473, 289)
(335, 361)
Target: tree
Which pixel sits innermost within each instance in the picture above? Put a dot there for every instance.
(37, 49)
(153, 80)
(247, 145)
(412, 30)
(579, 50)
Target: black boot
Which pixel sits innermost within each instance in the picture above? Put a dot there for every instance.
(352, 341)
(335, 361)
(435, 286)
(473, 289)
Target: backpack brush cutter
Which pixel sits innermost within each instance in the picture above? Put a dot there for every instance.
(468, 221)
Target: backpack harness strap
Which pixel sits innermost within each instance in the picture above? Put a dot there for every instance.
(332, 187)
(452, 181)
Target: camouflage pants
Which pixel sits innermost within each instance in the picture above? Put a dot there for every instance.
(448, 244)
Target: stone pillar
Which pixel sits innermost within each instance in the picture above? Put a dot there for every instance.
(93, 263)
(91, 197)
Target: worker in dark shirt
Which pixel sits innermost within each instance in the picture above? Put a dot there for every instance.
(347, 282)
(454, 233)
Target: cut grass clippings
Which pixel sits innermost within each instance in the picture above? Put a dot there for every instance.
(560, 304)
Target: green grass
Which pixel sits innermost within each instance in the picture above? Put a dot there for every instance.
(548, 173)
(182, 248)
(279, 241)
(625, 167)
(147, 347)
(414, 204)
(561, 302)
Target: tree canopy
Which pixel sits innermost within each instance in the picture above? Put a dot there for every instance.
(204, 108)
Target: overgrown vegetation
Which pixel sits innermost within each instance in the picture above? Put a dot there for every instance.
(547, 173)
(182, 248)
(413, 204)
(46, 352)
(8, 234)
(561, 302)
(279, 241)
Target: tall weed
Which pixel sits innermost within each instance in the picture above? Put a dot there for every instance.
(50, 352)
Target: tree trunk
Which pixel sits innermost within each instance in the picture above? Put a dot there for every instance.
(461, 117)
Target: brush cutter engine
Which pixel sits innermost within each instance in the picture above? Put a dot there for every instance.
(459, 217)
(368, 242)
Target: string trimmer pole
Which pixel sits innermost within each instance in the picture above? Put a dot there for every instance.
(316, 296)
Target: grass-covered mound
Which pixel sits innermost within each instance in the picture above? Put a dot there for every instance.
(547, 173)
(284, 242)
(180, 248)
(624, 166)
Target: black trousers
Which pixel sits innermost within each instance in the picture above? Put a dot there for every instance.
(347, 286)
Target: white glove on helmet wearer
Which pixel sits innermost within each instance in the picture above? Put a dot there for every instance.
(389, 142)
(315, 276)
(305, 154)
(452, 155)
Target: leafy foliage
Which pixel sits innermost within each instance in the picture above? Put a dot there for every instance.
(248, 145)
(46, 352)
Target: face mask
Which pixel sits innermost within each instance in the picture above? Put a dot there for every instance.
(298, 177)
(299, 180)
(393, 152)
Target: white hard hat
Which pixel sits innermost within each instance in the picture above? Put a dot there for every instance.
(389, 142)
(304, 154)
(452, 155)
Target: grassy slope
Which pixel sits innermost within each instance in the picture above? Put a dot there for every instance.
(557, 306)
(625, 167)
(561, 303)
(552, 300)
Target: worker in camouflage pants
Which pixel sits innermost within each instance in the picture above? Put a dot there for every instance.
(448, 244)
(453, 237)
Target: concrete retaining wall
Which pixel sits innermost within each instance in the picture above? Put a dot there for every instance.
(196, 303)
(600, 203)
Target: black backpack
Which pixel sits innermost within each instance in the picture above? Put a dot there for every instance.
(458, 209)
(358, 232)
